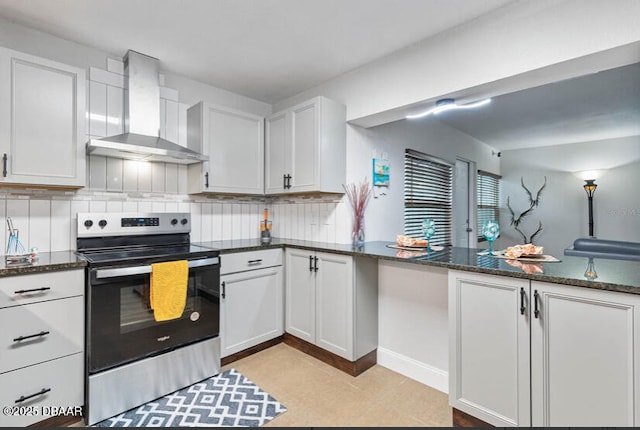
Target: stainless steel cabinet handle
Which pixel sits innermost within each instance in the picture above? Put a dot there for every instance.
(39, 393)
(21, 338)
(141, 270)
(258, 261)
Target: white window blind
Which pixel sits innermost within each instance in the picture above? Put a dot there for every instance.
(428, 188)
(488, 199)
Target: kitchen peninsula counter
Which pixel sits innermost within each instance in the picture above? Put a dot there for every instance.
(45, 262)
(597, 273)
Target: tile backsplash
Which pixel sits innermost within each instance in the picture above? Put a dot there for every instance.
(47, 219)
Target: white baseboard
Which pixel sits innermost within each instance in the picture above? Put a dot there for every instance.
(421, 372)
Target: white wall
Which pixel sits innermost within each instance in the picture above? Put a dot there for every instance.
(413, 336)
(384, 217)
(563, 209)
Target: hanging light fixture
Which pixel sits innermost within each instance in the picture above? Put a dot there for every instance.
(448, 104)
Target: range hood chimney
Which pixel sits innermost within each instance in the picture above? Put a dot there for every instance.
(141, 140)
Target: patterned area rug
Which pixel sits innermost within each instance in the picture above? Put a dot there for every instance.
(225, 400)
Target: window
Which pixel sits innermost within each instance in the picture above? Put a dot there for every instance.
(428, 188)
(488, 198)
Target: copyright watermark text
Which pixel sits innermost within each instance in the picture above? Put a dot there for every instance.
(44, 411)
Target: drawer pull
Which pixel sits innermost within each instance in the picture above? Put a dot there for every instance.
(39, 393)
(21, 338)
(255, 261)
(32, 290)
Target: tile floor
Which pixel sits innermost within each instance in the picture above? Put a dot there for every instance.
(318, 395)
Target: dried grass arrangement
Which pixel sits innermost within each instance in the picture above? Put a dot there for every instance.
(358, 196)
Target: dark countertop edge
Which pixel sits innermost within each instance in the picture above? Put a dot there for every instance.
(282, 243)
(53, 267)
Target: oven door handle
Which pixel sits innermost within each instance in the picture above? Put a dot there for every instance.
(141, 270)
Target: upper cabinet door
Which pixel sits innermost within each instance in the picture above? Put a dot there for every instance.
(306, 148)
(276, 154)
(234, 142)
(42, 121)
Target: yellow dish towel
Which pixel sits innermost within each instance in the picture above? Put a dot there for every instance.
(168, 292)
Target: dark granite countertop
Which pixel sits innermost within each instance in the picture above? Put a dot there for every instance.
(606, 274)
(45, 262)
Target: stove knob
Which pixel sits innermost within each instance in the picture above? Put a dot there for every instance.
(88, 223)
(102, 223)
(174, 221)
(183, 221)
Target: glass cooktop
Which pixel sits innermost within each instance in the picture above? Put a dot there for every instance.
(148, 254)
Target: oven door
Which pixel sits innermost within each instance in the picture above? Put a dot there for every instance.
(122, 327)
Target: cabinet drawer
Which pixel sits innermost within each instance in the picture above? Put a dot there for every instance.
(24, 289)
(240, 261)
(63, 377)
(60, 321)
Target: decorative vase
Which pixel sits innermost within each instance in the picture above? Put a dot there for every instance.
(357, 233)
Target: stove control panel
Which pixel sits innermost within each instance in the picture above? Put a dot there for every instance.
(141, 222)
(129, 224)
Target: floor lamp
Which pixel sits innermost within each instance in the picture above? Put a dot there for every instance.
(590, 188)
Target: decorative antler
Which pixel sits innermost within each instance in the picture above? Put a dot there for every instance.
(537, 232)
(515, 221)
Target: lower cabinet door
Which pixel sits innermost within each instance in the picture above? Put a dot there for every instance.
(584, 357)
(489, 348)
(38, 392)
(300, 300)
(252, 308)
(334, 304)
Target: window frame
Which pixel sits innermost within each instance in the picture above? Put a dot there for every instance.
(493, 190)
(428, 193)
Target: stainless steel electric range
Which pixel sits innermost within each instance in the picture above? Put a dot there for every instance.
(131, 358)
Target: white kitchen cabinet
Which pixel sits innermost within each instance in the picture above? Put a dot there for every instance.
(234, 142)
(41, 344)
(585, 357)
(251, 309)
(532, 353)
(489, 348)
(305, 148)
(331, 301)
(42, 121)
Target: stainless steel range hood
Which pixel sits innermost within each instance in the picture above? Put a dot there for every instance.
(141, 139)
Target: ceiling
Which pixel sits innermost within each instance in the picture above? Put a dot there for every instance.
(264, 49)
(597, 106)
(270, 50)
